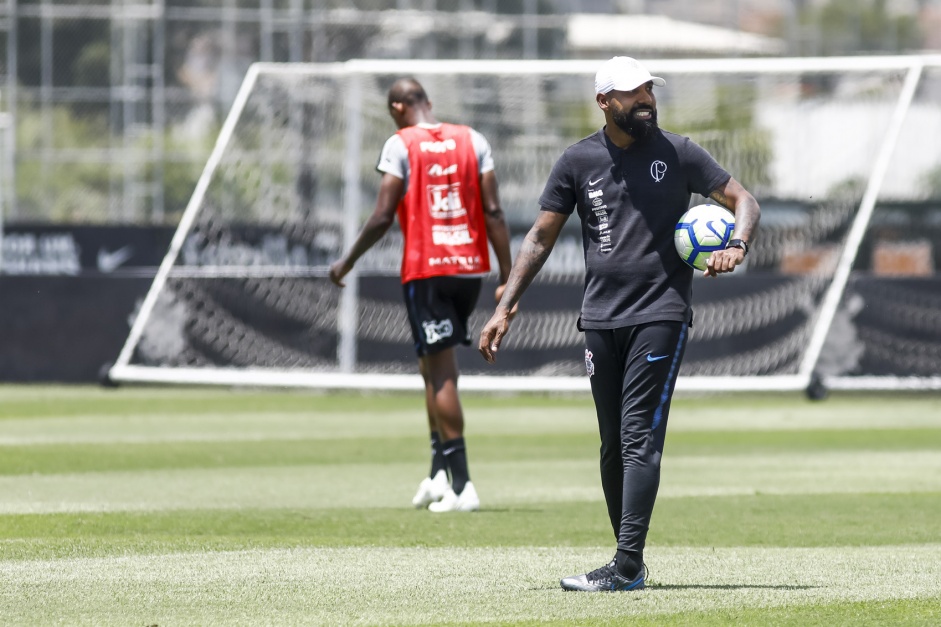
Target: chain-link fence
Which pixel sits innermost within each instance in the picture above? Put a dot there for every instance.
(115, 105)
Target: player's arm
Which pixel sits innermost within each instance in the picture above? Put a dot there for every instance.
(532, 255)
(497, 231)
(391, 189)
(736, 199)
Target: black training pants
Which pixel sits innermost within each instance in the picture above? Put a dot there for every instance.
(633, 372)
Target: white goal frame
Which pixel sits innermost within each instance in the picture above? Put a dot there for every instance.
(911, 65)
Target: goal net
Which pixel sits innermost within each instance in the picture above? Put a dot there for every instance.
(839, 285)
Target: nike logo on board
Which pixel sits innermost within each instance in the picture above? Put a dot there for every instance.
(651, 357)
(110, 261)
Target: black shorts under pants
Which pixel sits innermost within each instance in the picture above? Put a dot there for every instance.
(438, 310)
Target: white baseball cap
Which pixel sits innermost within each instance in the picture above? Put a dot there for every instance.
(623, 74)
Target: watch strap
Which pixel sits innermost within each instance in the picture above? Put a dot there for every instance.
(738, 243)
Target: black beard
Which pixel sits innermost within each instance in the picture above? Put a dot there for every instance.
(636, 128)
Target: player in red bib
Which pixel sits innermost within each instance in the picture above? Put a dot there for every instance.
(439, 178)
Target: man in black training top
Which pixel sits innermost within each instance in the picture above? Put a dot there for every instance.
(630, 183)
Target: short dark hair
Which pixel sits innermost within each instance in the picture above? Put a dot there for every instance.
(407, 91)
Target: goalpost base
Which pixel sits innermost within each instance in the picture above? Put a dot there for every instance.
(406, 382)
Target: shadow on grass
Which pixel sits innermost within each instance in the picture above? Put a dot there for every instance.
(669, 586)
(729, 586)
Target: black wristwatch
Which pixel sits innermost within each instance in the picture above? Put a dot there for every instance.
(738, 243)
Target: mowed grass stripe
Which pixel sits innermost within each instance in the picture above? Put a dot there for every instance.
(245, 451)
(895, 612)
(76, 401)
(384, 586)
(500, 484)
(772, 520)
(319, 486)
(18, 402)
(194, 425)
(132, 412)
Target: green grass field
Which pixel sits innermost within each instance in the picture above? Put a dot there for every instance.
(151, 506)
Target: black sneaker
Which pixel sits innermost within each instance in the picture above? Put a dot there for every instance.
(605, 579)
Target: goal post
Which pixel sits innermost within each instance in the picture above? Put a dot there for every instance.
(860, 223)
(829, 146)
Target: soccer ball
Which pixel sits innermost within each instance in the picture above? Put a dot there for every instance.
(701, 231)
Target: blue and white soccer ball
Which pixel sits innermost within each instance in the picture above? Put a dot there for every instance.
(701, 231)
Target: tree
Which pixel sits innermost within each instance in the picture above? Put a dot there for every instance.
(854, 26)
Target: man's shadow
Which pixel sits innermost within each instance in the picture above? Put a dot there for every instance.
(729, 586)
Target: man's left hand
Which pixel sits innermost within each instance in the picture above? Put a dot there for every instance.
(723, 261)
(339, 269)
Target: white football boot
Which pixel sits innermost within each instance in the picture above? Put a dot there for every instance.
(431, 490)
(466, 501)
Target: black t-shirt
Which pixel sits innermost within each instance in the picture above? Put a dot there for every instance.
(629, 201)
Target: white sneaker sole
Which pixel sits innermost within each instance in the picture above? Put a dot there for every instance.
(451, 502)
